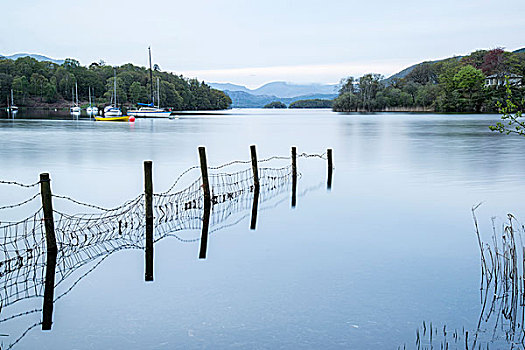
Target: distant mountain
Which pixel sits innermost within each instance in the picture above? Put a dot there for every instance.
(519, 50)
(229, 87)
(241, 99)
(35, 56)
(280, 89)
(283, 89)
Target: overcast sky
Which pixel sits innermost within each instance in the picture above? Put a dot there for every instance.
(254, 42)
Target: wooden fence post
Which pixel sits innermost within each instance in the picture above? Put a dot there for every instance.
(207, 203)
(204, 173)
(294, 176)
(255, 169)
(51, 247)
(330, 168)
(148, 199)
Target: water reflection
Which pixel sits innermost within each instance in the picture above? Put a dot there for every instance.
(32, 271)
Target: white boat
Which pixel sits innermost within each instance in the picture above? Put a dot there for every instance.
(75, 109)
(112, 110)
(91, 110)
(12, 107)
(150, 110)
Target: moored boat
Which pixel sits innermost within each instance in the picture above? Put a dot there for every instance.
(75, 109)
(149, 110)
(112, 111)
(122, 118)
(11, 108)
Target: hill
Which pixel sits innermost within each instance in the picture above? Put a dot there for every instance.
(39, 58)
(241, 99)
(280, 89)
(455, 84)
(42, 83)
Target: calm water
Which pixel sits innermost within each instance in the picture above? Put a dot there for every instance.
(358, 267)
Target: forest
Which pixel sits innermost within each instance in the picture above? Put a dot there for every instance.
(456, 84)
(46, 84)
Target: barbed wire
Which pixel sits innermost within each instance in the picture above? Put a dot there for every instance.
(96, 206)
(84, 237)
(21, 203)
(19, 184)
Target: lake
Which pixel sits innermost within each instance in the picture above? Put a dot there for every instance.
(360, 266)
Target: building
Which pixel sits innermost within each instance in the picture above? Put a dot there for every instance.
(499, 79)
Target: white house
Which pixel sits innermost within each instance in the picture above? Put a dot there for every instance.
(499, 79)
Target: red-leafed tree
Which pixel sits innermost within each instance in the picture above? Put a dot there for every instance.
(493, 61)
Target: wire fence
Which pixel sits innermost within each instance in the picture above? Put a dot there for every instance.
(85, 237)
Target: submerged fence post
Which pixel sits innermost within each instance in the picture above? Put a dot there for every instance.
(204, 233)
(207, 203)
(294, 176)
(330, 168)
(148, 199)
(51, 246)
(256, 187)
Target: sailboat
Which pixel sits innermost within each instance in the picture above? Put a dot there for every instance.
(149, 110)
(75, 109)
(12, 107)
(91, 110)
(112, 110)
(112, 113)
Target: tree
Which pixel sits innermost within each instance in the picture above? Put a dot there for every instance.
(369, 85)
(469, 81)
(347, 85)
(275, 104)
(424, 73)
(493, 61)
(346, 102)
(511, 115)
(137, 93)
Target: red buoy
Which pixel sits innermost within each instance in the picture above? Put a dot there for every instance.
(132, 119)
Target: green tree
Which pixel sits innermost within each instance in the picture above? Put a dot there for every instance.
(469, 81)
(512, 113)
(137, 93)
(275, 104)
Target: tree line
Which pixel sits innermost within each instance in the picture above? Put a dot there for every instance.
(43, 83)
(456, 84)
(310, 103)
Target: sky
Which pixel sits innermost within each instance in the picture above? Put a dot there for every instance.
(255, 42)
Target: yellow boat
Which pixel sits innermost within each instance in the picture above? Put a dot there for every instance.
(122, 118)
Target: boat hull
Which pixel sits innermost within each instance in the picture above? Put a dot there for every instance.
(122, 118)
(152, 114)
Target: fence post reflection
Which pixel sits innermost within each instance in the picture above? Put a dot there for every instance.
(294, 177)
(148, 198)
(51, 250)
(330, 169)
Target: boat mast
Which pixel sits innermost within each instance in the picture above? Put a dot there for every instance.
(115, 85)
(89, 91)
(151, 76)
(76, 93)
(158, 93)
(12, 103)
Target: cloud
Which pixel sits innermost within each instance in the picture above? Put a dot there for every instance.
(319, 73)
